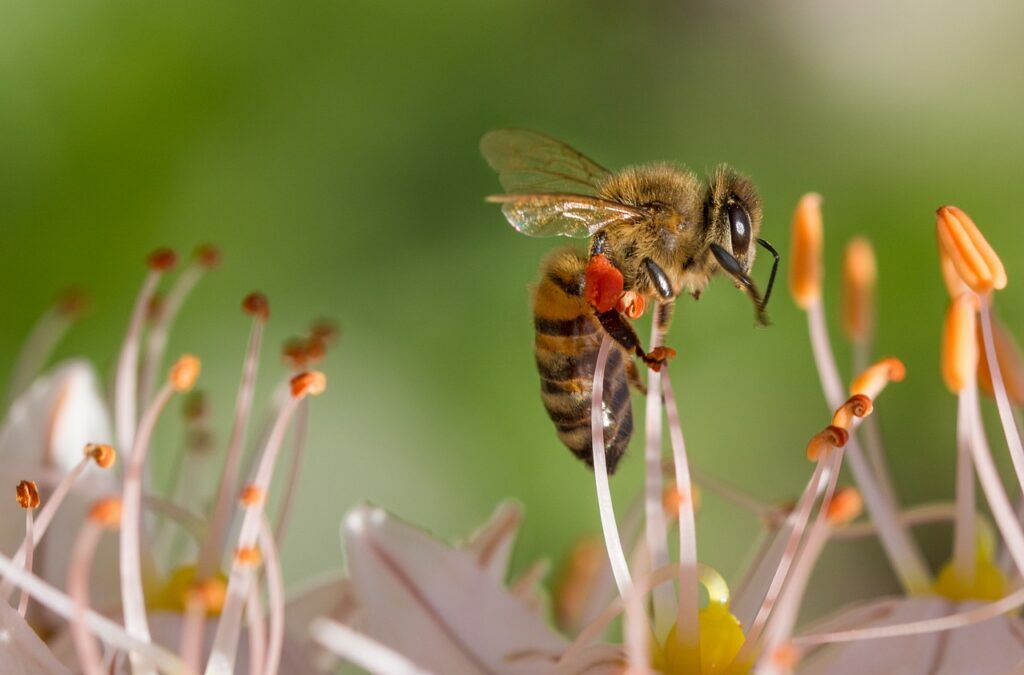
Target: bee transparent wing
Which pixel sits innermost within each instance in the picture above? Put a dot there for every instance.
(527, 161)
(551, 215)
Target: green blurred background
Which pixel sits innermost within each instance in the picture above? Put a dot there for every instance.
(330, 149)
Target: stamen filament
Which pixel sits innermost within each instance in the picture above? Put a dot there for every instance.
(1013, 440)
(255, 625)
(41, 524)
(125, 379)
(212, 550)
(44, 337)
(102, 627)
(29, 548)
(904, 555)
(616, 556)
(79, 572)
(687, 624)
(156, 340)
(275, 597)
(923, 514)
(299, 433)
(656, 530)
(225, 642)
(964, 557)
(991, 484)
(362, 650)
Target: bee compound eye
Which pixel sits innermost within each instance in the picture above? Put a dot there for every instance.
(739, 224)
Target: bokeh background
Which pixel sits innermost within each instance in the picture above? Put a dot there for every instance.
(330, 149)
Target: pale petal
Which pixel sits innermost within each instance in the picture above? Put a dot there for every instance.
(993, 647)
(492, 544)
(436, 605)
(51, 422)
(21, 650)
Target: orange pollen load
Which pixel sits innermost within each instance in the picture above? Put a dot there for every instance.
(825, 440)
(184, 372)
(103, 455)
(162, 260)
(845, 507)
(859, 277)
(873, 380)
(106, 512)
(959, 344)
(603, 283)
(805, 271)
(210, 594)
(857, 405)
(207, 255)
(309, 383)
(27, 494)
(248, 555)
(971, 255)
(252, 495)
(257, 306)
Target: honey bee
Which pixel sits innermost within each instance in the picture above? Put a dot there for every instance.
(656, 230)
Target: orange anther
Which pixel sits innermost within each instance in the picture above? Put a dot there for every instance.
(857, 405)
(184, 372)
(207, 255)
(249, 555)
(106, 512)
(672, 500)
(603, 285)
(971, 255)
(72, 302)
(873, 380)
(825, 440)
(859, 277)
(577, 581)
(805, 271)
(103, 455)
(785, 657)
(845, 507)
(309, 383)
(27, 494)
(210, 593)
(959, 343)
(256, 305)
(954, 284)
(162, 260)
(1011, 363)
(315, 349)
(252, 495)
(326, 330)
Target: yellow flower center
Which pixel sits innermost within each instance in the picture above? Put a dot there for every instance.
(173, 595)
(989, 582)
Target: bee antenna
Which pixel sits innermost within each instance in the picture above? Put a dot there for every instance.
(775, 268)
(733, 267)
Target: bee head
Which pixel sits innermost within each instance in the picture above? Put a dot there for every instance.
(732, 212)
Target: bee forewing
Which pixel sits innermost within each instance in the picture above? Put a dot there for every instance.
(527, 161)
(551, 215)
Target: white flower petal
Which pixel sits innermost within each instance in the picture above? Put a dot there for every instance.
(21, 650)
(52, 421)
(993, 647)
(492, 544)
(436, 605)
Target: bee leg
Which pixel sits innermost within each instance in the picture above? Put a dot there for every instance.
(633, 376)
(622, 332)
(658, 278)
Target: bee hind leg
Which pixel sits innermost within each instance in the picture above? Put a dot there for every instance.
(633, 376)
(622, 332)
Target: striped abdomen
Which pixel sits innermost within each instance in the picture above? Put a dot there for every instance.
(568, 337)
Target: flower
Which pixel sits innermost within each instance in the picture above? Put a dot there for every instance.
(176, 609)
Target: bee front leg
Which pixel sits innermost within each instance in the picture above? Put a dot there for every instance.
(622, 332)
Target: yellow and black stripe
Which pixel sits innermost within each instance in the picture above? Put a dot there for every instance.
(567, 339)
